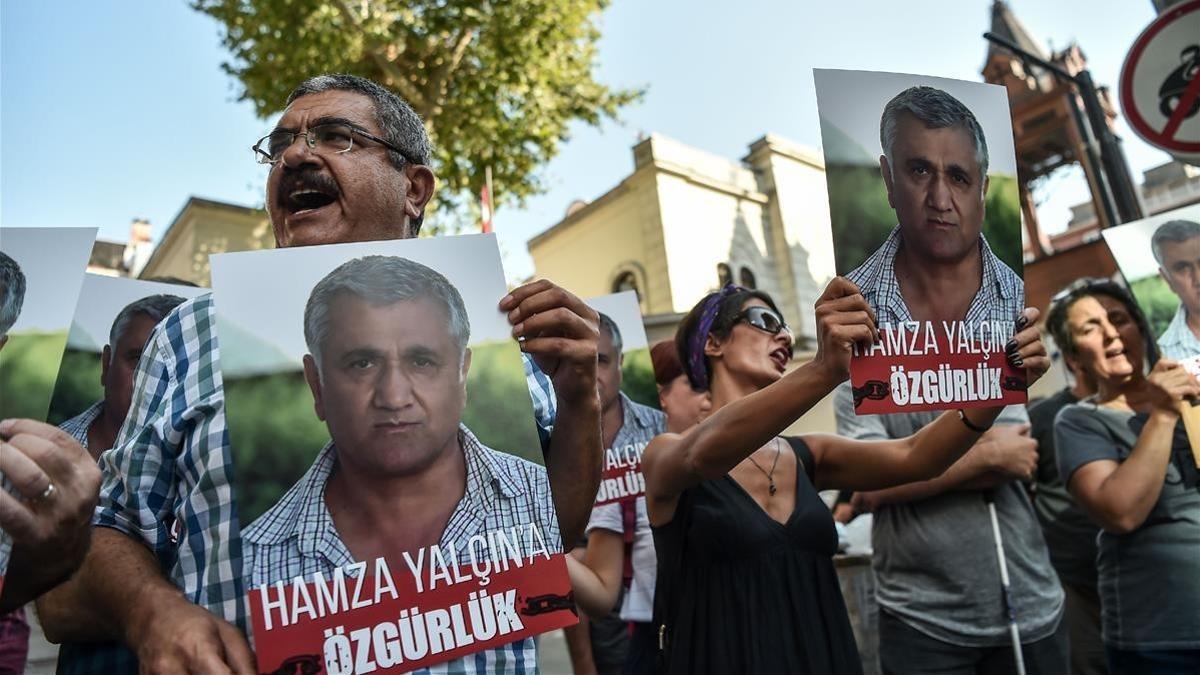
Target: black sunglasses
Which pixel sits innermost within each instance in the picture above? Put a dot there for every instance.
(764, 319)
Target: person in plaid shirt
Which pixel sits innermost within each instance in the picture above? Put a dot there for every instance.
(164, 573)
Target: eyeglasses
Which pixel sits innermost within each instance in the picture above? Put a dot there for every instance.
(331, 138)
(764, 319)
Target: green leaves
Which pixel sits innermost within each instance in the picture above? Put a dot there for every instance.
(496, 83)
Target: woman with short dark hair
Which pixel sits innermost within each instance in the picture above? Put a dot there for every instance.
(745, 546)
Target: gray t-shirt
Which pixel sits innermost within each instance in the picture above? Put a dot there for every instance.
(935, 559)
(1149, 579)
(1070, 534)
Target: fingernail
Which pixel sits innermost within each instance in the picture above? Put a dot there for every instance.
(1022, 321)
(1011, 346)
(518, 329)
(1017, 361)
(506, 300)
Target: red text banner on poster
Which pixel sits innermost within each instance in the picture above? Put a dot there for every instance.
(378, 619)
(622, 478)
(936, 365)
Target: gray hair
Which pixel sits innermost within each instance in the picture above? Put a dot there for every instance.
(156, 307)
(609, 326)
(1172, 232)
(381, 281)
(401, 125)
(12, 292)
(936, 110)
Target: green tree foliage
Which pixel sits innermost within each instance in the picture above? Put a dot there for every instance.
(862, 218)
(28, 364)
(497, 83)
(275, 434)
(78, 385)
(1155, 298)
(637, 378)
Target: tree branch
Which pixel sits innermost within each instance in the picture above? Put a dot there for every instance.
(394, 77)
(439, 79)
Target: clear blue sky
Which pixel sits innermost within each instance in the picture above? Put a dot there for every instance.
(116, 110)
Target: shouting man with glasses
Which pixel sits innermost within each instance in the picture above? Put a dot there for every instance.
(164, 574)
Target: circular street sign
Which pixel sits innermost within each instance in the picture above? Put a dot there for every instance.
(1160, 82)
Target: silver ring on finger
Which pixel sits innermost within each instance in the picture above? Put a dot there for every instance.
(46, 494)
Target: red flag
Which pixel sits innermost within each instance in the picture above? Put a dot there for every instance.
(485, 210)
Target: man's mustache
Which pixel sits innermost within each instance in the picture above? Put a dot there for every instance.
(304, 178)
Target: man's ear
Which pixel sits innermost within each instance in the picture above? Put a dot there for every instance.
(313, 377)
(105, 359)
(466, 364)
(886, 169)
(420, 189)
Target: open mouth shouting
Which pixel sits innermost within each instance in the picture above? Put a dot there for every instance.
(306, 193)
(780, 357)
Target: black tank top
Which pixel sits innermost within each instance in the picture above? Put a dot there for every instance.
(738, 592)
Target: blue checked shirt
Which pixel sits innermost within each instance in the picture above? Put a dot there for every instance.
(297, 537)
(168, 480)
(1001, 295)
(1178, 341)
(97, 657)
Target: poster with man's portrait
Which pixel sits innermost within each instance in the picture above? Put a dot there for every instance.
(1159, 257)
(926, 220)
(113, 320)
(40, 273)
(625, 378)
(393, 501)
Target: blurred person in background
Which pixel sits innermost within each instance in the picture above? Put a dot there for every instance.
(616, 567)
(683, 406)
(1070, 535)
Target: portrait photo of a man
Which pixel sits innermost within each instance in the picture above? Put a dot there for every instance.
(1176, 246)
(380, 414)
(1159, 256)
(387, 367)
(935, 263)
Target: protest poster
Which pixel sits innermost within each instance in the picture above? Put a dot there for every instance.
(629, 383)
(40, 273)
(389, 479)
(113, 319)
(925, 215)
(1159, 257)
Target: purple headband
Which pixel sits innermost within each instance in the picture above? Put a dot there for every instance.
(699, 373)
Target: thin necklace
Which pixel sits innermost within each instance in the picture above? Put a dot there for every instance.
(769, 474)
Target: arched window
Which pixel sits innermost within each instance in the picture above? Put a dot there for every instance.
(724, 275)
(746, 278)
(626, 281)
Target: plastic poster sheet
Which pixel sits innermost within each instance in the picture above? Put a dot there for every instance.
(1168, 291)
(39, 283)
(89, 375)
(932, 206)
(376, 408)
(622, 478)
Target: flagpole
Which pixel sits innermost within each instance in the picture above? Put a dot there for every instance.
(491, 195)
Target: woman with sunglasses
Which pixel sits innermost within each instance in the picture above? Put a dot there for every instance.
(745, 546)
(1124, 457)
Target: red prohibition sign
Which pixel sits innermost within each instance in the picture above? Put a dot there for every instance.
(1164, 137)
